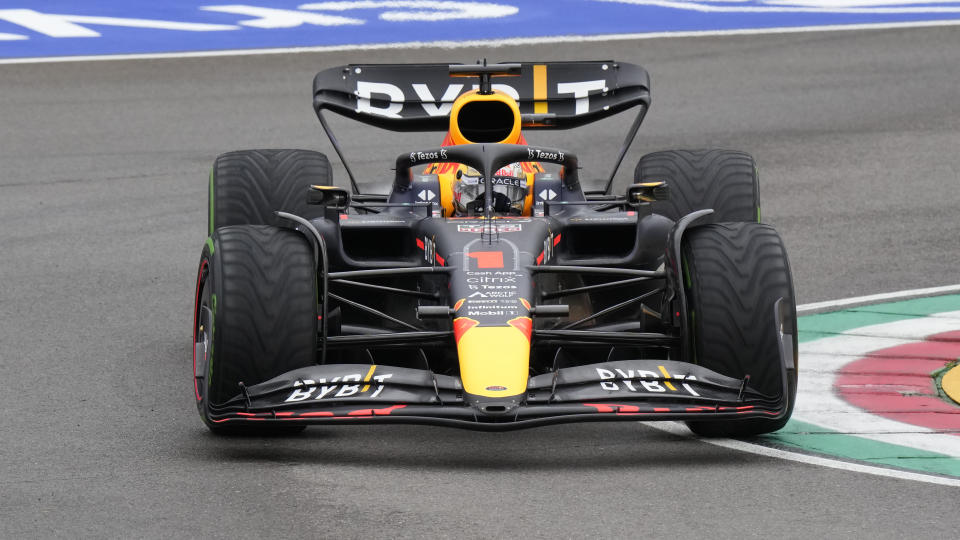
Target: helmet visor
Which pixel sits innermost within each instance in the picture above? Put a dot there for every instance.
(509, 190)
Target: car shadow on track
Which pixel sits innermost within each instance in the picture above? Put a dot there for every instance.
(587, 446)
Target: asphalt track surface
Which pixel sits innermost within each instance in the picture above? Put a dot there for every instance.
(103, 171)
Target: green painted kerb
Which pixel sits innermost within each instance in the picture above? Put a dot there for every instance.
(938, 379)
(813, 438)
(825, 324)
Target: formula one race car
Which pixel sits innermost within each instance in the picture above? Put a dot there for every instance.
(488, 290)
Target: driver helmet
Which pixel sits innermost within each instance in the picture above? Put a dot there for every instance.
(509, 190)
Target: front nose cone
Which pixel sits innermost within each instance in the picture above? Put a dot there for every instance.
(494, 360)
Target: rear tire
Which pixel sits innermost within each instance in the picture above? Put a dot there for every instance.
(247, 186)
(734, 275)
(256, 311)
(724, 180)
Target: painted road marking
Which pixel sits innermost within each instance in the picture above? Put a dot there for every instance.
(824, 422)
(58, 29)
(899, 383)
(873, 7)
(823, 359)
(831, 431)
(487, 43)
(680, 430)
(834, 305)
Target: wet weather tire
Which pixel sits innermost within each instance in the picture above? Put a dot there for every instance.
(247, 186)
(724, 180)
(734, 274)
(256, 312)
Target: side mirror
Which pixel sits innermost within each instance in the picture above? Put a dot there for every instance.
(332, 196)
(647, 192)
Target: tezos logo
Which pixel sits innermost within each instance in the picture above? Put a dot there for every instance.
(421, 156)
(536, 153)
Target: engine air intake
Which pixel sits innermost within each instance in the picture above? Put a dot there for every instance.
(485, 121)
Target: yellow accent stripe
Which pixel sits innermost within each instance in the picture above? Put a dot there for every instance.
(666, 378)
(367, 378)
(540, 89)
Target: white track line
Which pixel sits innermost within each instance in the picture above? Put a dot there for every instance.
(874, 298)
(733, 444)
(493, 43)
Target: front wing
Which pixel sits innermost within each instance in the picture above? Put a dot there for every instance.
(620, 390)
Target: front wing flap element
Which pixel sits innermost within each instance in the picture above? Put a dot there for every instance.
(619, 390)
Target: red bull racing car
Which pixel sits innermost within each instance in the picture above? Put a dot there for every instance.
(488, 289)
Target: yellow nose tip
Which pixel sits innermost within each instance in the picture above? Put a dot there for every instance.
(494, 360)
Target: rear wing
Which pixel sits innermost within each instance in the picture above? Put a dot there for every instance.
(418, 97)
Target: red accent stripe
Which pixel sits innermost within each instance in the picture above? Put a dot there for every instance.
(523, 324)
(461, 325)
(601, 407)
(556, 240)
(375, 412)
(540, 258)
(628, 410)
(420, 243)
(440, 260)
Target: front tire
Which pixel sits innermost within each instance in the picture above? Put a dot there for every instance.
(734, 274)
(255, 314)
